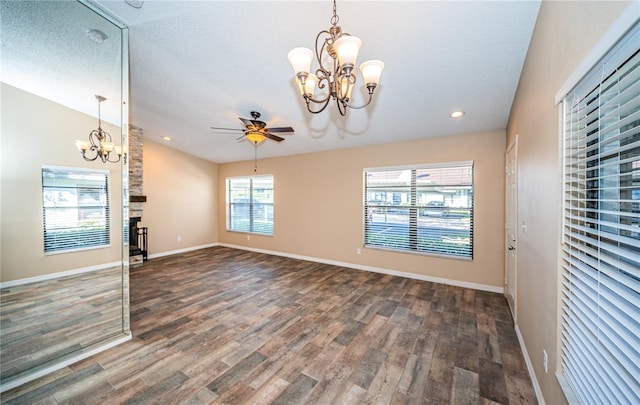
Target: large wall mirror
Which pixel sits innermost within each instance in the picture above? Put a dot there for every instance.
(63, 220)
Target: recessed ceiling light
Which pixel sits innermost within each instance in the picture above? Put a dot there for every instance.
(456, 114)
(97, 36)
(166, 138)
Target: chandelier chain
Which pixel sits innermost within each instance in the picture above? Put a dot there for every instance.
(335, 18)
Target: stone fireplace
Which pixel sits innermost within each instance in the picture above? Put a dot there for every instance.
(137, 233)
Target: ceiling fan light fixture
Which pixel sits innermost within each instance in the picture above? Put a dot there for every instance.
(336, 55)
(255, 136)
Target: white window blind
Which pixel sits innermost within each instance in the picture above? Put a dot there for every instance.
(75, 206)
(600, 360)
(426, 208)
(250, 204)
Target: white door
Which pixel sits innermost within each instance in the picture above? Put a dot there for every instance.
(511, 225)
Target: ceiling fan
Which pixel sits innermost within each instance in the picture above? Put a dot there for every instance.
(256, 131)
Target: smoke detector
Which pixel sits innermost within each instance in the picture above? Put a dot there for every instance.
(135, 3)
(97, 36)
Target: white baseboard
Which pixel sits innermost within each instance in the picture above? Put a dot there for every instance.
(532, 373)
(188, 249)
(457, 283)
(61, 274)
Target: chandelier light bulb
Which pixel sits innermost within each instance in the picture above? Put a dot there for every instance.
(346, 87)
(309, 85)
(107, 147)
(371, 71)
(82, 145)
(347, 48)
(300, 59)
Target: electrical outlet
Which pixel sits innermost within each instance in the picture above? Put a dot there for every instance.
(358, 251)
(179, 238)
(248, 237)
(545, 361)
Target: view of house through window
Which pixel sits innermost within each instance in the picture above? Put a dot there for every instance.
(250, 204)
(427, 208)
(75, 209)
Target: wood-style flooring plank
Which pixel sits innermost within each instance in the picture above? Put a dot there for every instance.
(221, 325)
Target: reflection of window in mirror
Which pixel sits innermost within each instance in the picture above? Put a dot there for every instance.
(75, 205)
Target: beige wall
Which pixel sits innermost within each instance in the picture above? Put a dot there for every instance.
(564, 34)
(319, 205)
(37, 132)
(181, 199)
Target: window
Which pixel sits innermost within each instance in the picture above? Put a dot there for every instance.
(250, 204)
(426, 209)
(75, 209)
(600, 360)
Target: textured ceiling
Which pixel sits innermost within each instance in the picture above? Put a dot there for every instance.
(45, 50)
(196, 64)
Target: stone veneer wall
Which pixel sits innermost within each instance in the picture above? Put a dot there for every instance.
(135, 170)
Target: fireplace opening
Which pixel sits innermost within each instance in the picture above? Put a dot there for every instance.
(137, 239)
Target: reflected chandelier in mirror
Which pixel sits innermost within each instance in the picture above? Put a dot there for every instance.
(58, 307)
(100, 144)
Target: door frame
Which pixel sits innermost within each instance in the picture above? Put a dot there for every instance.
(513, 305)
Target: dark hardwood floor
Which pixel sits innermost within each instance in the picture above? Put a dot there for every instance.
(46, 320)
(221, 325)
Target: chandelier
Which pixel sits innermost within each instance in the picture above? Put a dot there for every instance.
(100, 144)
(340, 49)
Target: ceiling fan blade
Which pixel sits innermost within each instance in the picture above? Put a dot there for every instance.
(243, 136)
(246, 121)
(280, 129)
(273, 137)
(226, 129)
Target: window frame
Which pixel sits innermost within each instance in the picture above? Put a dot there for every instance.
(255, 207)
(102, 238)
(415, 239)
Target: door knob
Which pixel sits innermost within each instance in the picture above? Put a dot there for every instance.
(511, 248)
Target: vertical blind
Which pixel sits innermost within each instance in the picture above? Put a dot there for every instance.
(426, 208)
(75, 206)
(250, 204)
(600, 359)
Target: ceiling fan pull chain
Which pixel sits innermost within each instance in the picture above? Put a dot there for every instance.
(255, 157)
